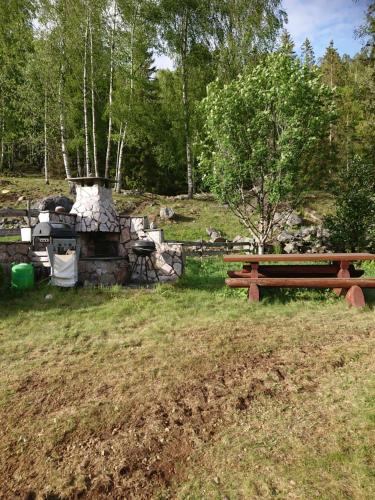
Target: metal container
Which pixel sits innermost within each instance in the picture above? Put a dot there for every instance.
(61, 236)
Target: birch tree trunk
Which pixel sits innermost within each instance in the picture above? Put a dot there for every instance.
(79, 170)
(93, 101)
(119, 165)
(110, 98)
(2, 145)
(62, 128)
(46, 180)
(123, 137)
(85, 119)
(185, 103)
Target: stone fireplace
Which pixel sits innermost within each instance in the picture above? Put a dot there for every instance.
(105, 239)
(94, 206)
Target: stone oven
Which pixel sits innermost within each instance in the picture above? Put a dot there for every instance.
(97, 221)
(105, 240)
(98, 227)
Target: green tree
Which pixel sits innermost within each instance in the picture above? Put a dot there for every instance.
(259, 128)
(307, 53)
(184, 25)
(286, 43)
(16, 44)
(241, 31)
(353, 225)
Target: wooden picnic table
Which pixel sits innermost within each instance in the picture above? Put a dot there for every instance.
(328, 270)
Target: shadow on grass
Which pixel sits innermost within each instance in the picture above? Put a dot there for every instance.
(183, 218)
(61, 300)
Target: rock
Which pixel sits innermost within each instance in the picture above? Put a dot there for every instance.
(49, 296)
(293, 219)
(167, 213)
(291, 247)
(279, 218)
(306, 231)
(322, 233)
(284, 237)
(21, 198)
(312, 215)
(215, 235)
(60, 210)
(51, 202)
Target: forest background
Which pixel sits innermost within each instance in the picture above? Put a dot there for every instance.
(80, 93)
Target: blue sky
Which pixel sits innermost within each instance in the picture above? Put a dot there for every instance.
(320, 21)
(325, 20)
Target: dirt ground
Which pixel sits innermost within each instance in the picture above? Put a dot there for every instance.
(146, 442)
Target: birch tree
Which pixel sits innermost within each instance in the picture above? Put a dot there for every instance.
(183, 25)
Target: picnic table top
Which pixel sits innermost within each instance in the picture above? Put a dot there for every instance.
(305, 257)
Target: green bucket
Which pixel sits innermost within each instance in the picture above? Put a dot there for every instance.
(22, 276)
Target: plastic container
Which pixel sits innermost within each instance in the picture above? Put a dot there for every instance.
(26, 233)
(22, 276)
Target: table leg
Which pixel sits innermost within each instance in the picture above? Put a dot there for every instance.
(355, 297)
(254, 292)
(342, 273)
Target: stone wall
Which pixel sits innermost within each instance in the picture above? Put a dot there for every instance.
(104, 272)
(63, 218)
(13, 253)
(168, 259)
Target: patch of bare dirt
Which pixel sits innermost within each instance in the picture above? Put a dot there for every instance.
(135, 450)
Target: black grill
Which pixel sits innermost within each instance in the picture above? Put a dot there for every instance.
(144, 247)
(61, 236)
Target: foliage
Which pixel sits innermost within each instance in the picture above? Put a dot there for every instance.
(258, 130)
(353, 226)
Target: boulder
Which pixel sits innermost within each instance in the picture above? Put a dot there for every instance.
(284, 237)
(244, 239)
(293, 219)
(51, 202)
(291, 247)
(214, 234)
(167, 213)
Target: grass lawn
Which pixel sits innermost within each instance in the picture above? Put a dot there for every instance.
(186, 391)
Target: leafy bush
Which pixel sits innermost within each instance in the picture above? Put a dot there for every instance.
(353, 226)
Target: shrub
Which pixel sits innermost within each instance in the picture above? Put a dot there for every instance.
(352, 227)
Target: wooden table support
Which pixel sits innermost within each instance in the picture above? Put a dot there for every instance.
(342, 273)
(254, 292)
(338, 274)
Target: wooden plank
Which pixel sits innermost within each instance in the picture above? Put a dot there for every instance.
(10, 232)
(39, 253)
(303, 271)
(15, 212)
(343, 272)
(306, 257)
(302, 282)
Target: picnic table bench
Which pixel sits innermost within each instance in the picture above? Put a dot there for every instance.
(338, 272)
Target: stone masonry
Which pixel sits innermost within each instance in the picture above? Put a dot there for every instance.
(95, 209)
